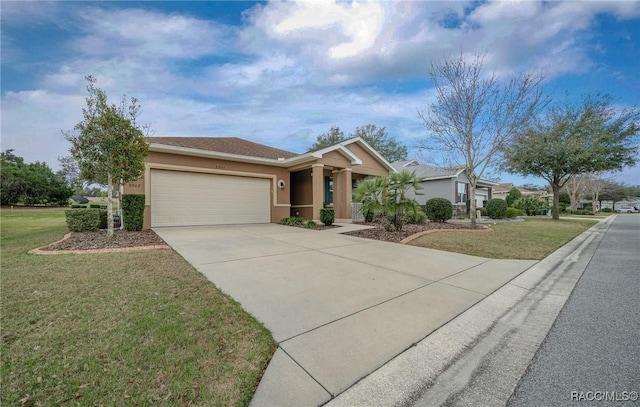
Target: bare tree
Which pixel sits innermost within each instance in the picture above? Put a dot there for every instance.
(595, 185)
(475, 115)
(575, 188)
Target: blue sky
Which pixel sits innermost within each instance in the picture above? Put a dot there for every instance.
(280, 73)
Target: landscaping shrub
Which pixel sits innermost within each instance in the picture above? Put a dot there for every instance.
(78, 206)
(579, 212)
(496, 208)
(327, 216)
(103, 218)
(310, 224)
(606, 210)
(293, 221)
(483, 211)
(512, 212)
(438, 209)
(94, 206)
(530, 204)
(133, 211)
(82, 220)
(417, 218)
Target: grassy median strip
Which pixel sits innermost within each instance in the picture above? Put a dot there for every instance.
(533, 239)
(139, 328)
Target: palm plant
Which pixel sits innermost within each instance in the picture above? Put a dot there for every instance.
(371, 193)
(402, 187)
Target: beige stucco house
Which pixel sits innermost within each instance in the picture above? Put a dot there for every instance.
(192, 181)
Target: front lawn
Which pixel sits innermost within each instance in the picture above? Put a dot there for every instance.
(533, 239)
(138, 328)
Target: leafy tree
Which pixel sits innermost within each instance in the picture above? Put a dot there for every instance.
(375, 136)
(571, 140)
(334, 136)
(30, 184)
(614, 192)
(70, 171)
(475, 115)
(513, 195)
(378, 138)
(108, 144)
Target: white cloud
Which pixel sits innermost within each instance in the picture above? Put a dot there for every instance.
(148, 35)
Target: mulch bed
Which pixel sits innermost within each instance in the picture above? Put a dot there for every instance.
(379, 233)
(100, 240)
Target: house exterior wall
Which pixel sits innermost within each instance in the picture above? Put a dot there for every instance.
(280, 198)
(369, 166)
(440, 188)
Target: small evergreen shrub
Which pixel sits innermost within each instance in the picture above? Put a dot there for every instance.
(512, 212)
(438, 209)
(78, 206)
(496, 208)
(606, 210)
(483, 211)
(417, 218)
(327, 216)
(293, 221)
(133, 211)
(94, 206)
(310, 224)
(82, 220)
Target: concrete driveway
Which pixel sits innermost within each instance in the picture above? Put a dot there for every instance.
(340, 307)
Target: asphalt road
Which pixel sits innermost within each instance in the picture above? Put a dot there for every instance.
(591, 355)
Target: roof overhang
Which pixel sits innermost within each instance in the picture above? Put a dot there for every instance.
(279, 162)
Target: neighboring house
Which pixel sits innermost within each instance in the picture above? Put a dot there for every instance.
(502, 190)
(451, 183)
(227, 180)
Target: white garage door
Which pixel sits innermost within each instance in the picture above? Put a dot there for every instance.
(191, 199)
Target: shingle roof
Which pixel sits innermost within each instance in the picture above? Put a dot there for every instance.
(425, 171)
(229, 145)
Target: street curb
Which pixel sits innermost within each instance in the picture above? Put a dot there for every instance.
(418, 368)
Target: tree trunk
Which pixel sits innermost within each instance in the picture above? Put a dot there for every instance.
(555, 210)
(120, 193)
(573, 197)
(109, 205)
(472, 204)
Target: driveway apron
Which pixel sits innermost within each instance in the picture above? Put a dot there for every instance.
(339, 306)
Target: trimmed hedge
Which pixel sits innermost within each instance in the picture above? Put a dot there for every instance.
(497, 208)
(83, 220)
(133, 211)
(512, 212)
(438, 209)
(327, 216)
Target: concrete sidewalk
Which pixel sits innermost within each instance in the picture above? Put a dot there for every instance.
(340, 307)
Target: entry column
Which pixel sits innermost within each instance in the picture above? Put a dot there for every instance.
(348, 193)
(317, 182)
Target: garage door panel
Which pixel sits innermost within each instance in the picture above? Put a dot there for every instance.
(192, 199)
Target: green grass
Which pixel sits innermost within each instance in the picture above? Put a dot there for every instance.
(138, 328)
(533, 239)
